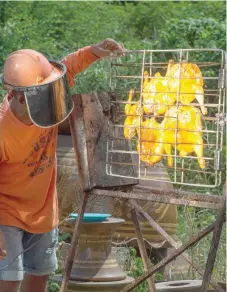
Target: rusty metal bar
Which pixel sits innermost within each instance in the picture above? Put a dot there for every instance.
(153, 64)
(173, 243)
(142, 248)
(168, 259)
(77, 128)
(214, 245)
(72, 251)
(166, 197)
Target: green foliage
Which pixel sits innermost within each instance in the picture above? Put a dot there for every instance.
(53, 287)
(58, 28)
(135, 269)
(190, 222)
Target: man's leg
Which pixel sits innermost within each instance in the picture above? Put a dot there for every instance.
(40, 260)
(38, 283)
(9, 286)
(11, 268)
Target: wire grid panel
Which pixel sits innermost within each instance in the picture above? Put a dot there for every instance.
(167, 111)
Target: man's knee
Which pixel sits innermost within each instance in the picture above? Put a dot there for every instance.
(9, 286)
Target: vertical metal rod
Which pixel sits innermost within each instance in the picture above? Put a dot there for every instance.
(142, 247)
(171, 241)
(151, 61)
(72, 251)
(141, 112)
(214, 245)
(176, 130)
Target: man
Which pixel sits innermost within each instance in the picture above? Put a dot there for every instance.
(36, 102)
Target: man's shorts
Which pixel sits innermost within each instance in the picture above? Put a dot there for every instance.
(34, 254)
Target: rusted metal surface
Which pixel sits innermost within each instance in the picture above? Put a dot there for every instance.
(72, 251)
(142, 248)
(168, 259)
(176, 245)
(214, 245)
(153, 223)
(173, 197)
(80, 143)
(89, 133)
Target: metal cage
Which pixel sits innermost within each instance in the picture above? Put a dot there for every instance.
(196, 137)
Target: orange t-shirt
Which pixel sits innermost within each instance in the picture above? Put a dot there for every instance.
(28, 167)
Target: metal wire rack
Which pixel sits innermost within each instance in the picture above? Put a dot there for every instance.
(165, 115)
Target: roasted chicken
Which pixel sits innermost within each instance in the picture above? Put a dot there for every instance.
(156, 95)
(132, 112)
(182, 127)
(150, 145)
(186, 78)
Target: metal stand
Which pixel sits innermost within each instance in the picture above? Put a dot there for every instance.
(78, 131)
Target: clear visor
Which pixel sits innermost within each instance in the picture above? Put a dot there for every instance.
(49, 104)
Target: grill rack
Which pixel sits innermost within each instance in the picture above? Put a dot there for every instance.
(127, 73)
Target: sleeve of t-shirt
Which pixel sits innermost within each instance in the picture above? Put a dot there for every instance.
(1, 154)
(77, 62)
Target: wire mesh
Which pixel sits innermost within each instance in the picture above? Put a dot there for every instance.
(169, 107)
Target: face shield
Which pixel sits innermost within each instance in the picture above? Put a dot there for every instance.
(48, 103)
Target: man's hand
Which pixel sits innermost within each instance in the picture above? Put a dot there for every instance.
(106, 48)
(2, 246)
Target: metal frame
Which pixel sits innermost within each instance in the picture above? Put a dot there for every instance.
(215, 118)
(216, 227)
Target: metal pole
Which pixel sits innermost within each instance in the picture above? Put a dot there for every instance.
(166, 197)
(168, 259)
(214, 245)
(72, 251)
(142, 248)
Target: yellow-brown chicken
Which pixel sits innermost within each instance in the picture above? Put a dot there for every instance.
(150, 144)
(156, 95)
(132, 112)
(186, 78)
(184, 127)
